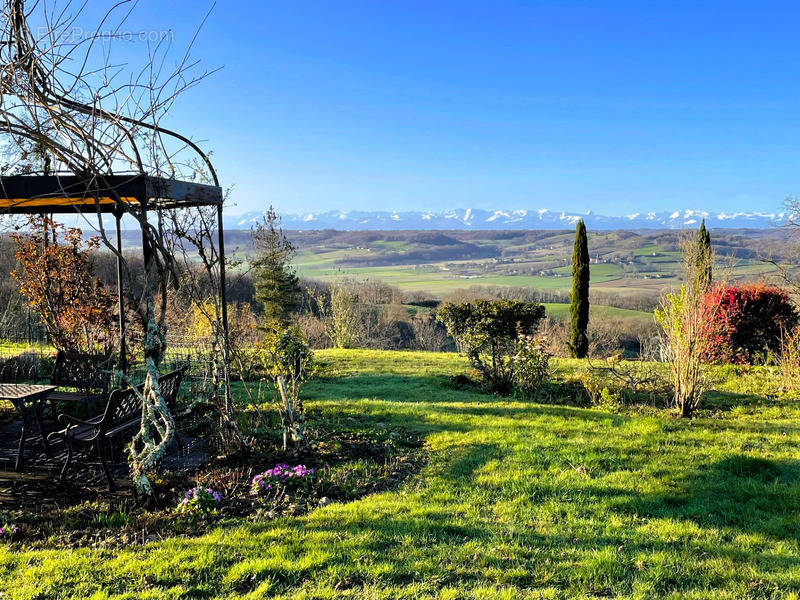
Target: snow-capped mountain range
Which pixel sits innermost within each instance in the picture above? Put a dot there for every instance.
(478, 219)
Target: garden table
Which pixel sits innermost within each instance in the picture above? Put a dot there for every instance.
(27, 398)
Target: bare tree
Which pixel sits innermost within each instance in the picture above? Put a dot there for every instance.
(687, 320)
(789, 359)
(788, 273)
(339, 313)
(65, 100)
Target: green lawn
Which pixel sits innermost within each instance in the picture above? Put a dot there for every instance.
(517, 500)
(435, 281)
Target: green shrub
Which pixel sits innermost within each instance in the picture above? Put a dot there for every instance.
(532, 366)
(688, 325)
(487, 332)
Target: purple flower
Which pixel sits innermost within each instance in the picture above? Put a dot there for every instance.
(280, 474)
(205, 499)
(8, 531)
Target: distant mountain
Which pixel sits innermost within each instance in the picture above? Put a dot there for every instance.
(476, 219)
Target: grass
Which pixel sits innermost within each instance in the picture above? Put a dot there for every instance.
(517, 500)
(599, 272)
(561, 311)
(645, 250)
(437, 282)
(15, 348)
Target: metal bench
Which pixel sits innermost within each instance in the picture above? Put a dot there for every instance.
(115, 426)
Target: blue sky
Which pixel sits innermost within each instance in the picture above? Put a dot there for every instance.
(603, 106)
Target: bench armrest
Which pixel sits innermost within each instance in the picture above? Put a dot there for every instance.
(69, 420)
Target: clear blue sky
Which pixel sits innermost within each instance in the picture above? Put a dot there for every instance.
(613, 107)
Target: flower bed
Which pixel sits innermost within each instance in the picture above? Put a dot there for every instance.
(345, 463)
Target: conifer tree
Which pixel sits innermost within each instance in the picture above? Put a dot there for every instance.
(579, 301)
(703, 254)
(276, 285)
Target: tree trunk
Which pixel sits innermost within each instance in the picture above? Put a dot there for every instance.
(293, 428)
(157, 426)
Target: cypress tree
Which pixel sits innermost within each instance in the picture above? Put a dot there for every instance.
(579, 301)
(703, 255)
(275, 280)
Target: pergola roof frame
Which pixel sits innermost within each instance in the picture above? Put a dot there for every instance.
(59, 194)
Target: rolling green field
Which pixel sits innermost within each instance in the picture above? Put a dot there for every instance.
(516, 500)
(439, 282)
(561, 311)
(623, 263)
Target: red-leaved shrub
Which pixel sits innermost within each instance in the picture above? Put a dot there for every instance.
(749, 321)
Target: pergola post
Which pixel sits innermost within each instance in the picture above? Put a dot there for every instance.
(147, 250)
(123, 350)
(223, 294)
(223, 299)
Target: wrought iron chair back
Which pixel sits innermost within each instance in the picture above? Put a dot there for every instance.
(124, 404)
(83, 371)
(17, 369)
(170, 384)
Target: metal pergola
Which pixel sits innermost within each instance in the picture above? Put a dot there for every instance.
(114, 194)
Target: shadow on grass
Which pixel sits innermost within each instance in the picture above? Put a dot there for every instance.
(726, 401)
(393, 388)
(739, 493)
(747, 426)
(383, 538)
(575, 393)
(743, 493)
(532, 409)
(382, 554)
(467, 460)
(439, 390)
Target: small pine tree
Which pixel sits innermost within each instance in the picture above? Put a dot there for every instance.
(703, 254)
(276, 286)
(579, 301)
